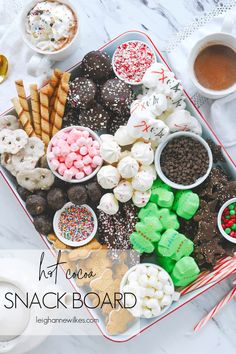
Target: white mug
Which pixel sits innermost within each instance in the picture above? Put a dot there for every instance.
(224, 38)
(43, 60)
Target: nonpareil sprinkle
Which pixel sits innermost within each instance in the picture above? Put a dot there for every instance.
(76, 223)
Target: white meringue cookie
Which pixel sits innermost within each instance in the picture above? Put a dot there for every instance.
(175, 88)
(123, 137)
(142, 181)
(143, 153)
(110, 151)
(128, 167)
(156, 103)
(182, 120)
(108, 177)
(140, 199)
(108, 204)
(151, 169)
(139, 109)
(155, 74)
(123, 192)
(106, 137)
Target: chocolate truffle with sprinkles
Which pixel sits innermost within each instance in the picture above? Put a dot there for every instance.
(115, 122)
(95, 118)
(97, 66)
(116, 95)
(70, 118)
(82, 93)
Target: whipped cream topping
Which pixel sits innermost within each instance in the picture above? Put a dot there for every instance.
(50, 25)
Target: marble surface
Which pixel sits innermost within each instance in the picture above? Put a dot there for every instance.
(100, 21)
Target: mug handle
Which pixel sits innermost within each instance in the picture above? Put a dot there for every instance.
(228, 23)
(39, 65)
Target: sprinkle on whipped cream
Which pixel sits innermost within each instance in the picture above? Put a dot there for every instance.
(51, 25)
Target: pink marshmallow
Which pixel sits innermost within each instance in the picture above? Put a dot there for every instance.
(54, 164)
(87, 160)
(97, 160)
(62, 135)
(96, 144)
(79, 164)
(56, 150)
(51, 155)
(85, 134)
(80, 175)
(65, 151)
(54, 141)
(61, 143)
(93, 165)
(92, 152)
(61, 159)
(83, 150)
(89, 142)
(74, 147)
(79, 157)
(72, 156)
(74, 171)
(68, 175)
(87, 170)
(81, 141)
(68, 162)
(61, 169)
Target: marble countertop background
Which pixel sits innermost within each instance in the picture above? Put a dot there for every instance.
(100, 21)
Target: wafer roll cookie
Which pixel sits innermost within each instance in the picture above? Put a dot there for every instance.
(61, 102)
(54, 83)
(22, 97)
(23, 117)
(35, 105)
(44, 111)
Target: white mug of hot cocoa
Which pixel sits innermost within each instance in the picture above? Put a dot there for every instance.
(50, 30)
(212, 62)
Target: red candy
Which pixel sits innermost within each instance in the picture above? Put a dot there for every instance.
(131, 60)
(229, 221)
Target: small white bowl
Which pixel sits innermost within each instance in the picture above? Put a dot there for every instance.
(74, 180)
(158, 156)
(58, 232)
(175, 296)
(223, 233)
(113, 62)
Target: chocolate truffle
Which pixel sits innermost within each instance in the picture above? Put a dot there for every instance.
(94, 192)
(35, 204)
(56, 198)
(95, 118)
(115, 122)
(70, 118)
(43, 224)
(116, 95)
(23, 193)
(97, 65)
(82, 93)
(77, 194)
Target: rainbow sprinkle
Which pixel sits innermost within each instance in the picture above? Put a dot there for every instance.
(76, 223)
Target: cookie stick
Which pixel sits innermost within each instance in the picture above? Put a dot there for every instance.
(54, 83)
(44, 111)
(22, 98)
(60, 102)
(23, 117)
(35, 105)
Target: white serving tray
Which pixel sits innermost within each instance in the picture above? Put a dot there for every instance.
(229, 166)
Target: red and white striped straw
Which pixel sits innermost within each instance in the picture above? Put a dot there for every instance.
(222, 270)
(215, 310)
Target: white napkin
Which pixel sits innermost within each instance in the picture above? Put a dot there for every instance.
(220, 113)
